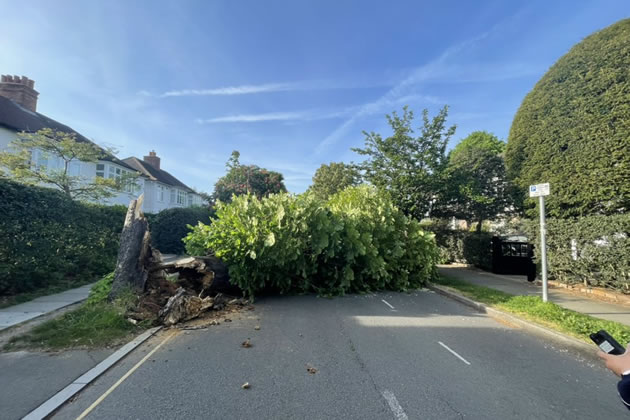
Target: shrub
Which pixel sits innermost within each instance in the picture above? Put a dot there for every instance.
(571, 130)
(357, 241)
(602, 250)
(456, 245)
(170, 226)
(450, 242)
(47, 239)
(477, 248)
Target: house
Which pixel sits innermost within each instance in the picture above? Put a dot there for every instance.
(18, 112)
(161, 189)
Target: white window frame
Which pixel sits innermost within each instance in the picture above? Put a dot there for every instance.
(181, 197)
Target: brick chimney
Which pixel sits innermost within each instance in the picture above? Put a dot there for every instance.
(20, 90)
(153, 159)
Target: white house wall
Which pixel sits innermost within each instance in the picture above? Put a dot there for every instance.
(6, 137)
(152, 204)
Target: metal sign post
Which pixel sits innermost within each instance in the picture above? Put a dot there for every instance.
(540, 191)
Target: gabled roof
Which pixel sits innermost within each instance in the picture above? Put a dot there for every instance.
(18, 118)
(155, 174)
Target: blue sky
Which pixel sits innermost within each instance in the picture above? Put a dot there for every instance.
(290, 84)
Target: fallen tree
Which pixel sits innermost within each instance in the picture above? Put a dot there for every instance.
(171, 290)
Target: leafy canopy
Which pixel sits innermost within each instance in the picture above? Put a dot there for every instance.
(477, 187)
(51, 144)
(247, 179)
(573, 129)
(356, 241)
(410, 167)
(330, 179)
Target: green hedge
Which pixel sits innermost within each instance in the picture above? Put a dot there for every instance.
(170, 226)
(602, 250)
(477, 248)
(572, 129)
(462, 246)
(46, 239)
(357, 241)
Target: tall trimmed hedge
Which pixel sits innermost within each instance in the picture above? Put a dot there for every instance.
(601, 256)
(46, 239)
(573, 129)
(169, 227)
(461, 246)
(356, 241)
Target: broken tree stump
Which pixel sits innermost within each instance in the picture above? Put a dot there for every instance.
(184, 307)
(135, 254)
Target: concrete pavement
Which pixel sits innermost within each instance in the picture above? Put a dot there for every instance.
(386, 355)
(17, 314)
(518, 285)
(27, 379)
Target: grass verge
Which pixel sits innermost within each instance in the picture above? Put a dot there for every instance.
(97, 323)
(534, 309)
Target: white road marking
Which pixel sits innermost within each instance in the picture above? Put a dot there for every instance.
(387, 303)
(398, 411)
(457, 355)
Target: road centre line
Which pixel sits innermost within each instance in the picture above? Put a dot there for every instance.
(398, 411)
(452, 351)
(125, 376)
(387, 303)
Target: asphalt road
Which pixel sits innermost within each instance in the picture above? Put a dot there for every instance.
(383, 356)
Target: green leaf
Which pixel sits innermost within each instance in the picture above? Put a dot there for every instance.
(270, 240)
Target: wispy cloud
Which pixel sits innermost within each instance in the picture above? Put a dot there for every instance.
(306, 115)
(301, 85)
(400, 90)
(233, 90)
(250, 118)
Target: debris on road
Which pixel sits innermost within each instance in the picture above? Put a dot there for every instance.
(310, 369)
(183, 307)
(257, 327)
(245, 385)
(246, 344)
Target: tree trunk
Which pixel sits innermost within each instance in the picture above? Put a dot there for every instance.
(135, 253)
(479, 225)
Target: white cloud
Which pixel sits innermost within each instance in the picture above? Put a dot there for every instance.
(248, 118)
(233, 90)
(400, 90)
(307, 115)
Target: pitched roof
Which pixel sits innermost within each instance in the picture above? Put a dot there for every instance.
(18, 118)
(155, 174)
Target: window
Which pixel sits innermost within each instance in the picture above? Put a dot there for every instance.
(172, 191)
(74, 168)
(190, 200)
(160, 193)
(42, 160)
(100, 170)
(181, 197)
(114, 173)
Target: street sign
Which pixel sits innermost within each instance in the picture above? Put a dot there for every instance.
(539, 190)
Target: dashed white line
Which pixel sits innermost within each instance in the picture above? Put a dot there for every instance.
(387, 303)
(398, 411)
(452, 351)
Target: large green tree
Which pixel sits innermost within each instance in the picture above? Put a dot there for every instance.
(409, 164)
(52, 145)
(477, 189)
(330, 179)
(247, 179)
(573, 129)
